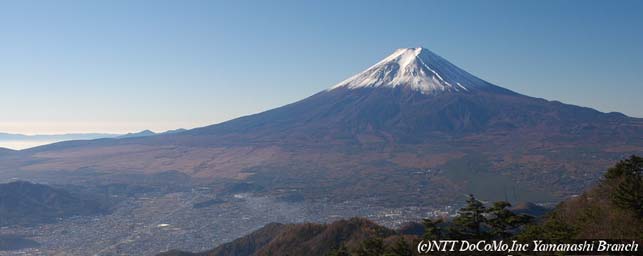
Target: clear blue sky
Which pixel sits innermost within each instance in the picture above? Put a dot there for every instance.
(118, 66)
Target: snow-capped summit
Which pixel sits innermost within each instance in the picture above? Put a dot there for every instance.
(416, 68)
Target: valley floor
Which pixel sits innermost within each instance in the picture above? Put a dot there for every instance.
(147, 225)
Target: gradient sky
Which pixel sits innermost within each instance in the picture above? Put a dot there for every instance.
(122, 66)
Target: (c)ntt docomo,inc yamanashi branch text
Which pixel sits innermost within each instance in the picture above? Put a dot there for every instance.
(595, 246)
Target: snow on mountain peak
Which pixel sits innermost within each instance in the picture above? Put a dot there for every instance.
(416, 68)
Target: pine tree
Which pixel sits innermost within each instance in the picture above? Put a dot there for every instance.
(341, 251)
(371, 247)
(502, 221)
(400, 248)
(553, 229)
(468, 223)
(431, 229)
(626, 179)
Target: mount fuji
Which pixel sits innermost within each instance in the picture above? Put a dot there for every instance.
(411, 96)
(413, 128)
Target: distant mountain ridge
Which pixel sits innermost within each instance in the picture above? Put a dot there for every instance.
(69, 136)
(137, 134)
(43, 139)
(81, 136)
(145, 133)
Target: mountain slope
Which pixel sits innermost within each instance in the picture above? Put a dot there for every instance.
(6, 151)
(612, 209)
(412, 123)
(13, 242)
(299, 239)
(24, 203)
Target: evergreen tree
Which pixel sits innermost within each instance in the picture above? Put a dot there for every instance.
(371, 247)
(468, 223)
(502, 221)
(341, 251)
(400, 248)
(626, 180)
(431, 229)
(553, 229)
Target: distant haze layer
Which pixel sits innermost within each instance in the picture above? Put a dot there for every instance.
(22, 144)
(22, 141)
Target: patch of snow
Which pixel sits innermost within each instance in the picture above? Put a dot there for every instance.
(416, 68)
